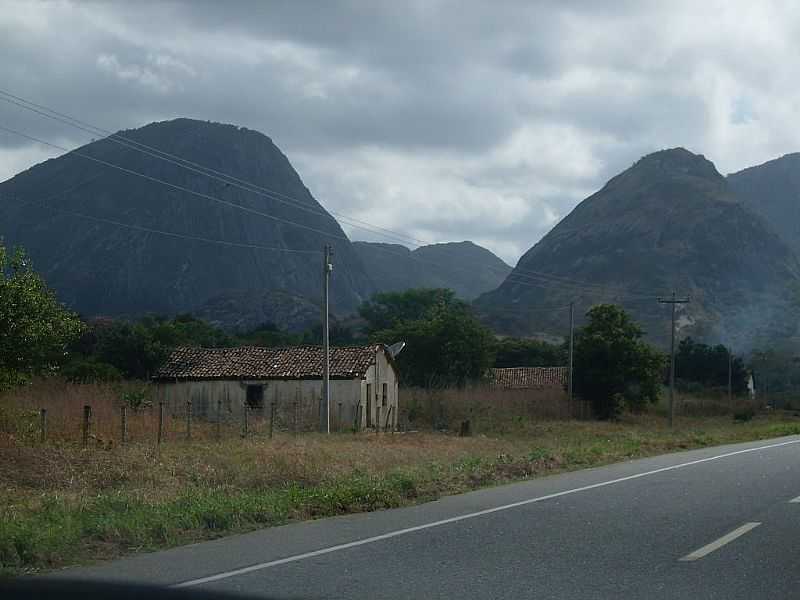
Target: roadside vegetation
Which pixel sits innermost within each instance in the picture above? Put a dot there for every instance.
(63, 502)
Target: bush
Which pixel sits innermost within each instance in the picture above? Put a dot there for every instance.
(744, 414)
(137, 398)
(90, 371)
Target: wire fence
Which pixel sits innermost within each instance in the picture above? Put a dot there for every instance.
(107, 415)
(104, 415)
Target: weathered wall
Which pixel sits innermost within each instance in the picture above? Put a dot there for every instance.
(376, 408)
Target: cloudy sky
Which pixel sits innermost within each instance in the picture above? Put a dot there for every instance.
(443, 121)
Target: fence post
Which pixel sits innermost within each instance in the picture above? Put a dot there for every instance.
(43, 424)
(339, 418)
(124, 424)
(295, 418)
(271, 419)
(388, 415)
(160, 422)
(219, 420)
(245, 410)
(87, 422)
(188, 419)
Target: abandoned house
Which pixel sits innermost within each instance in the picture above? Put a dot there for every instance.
(529, 377)
(223, 383)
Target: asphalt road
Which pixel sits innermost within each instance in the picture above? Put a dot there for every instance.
(711, 523)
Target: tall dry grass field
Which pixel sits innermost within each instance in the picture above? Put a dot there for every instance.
(488, 408)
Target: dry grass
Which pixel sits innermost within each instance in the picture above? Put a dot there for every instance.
(488, 408)
(60, 503)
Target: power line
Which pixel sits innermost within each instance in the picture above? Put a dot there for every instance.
(546, 281)
(44, 202)
(195, 167)
(173, 185)
(248, 186)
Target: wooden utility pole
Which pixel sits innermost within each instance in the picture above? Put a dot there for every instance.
(673, 301)
(325, 403)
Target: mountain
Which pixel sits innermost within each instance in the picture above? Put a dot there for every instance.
(466, 268)
(772, 190)
(670, 222)
(69, 213)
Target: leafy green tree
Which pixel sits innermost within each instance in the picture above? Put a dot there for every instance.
(445, 343)
(35, 328)
(186, 330)
(708, 365)
(268, 334)
(387, 309)
(131, 348)
(518, 352)
(614, 368)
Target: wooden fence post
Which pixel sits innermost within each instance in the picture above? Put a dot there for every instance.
(87, 423)
(188, 419)
(43, 424)
(271, 419)
(245, 409)
(295, 420)
(160, 422)
(219, 420)
(388, 415)
(123, 424)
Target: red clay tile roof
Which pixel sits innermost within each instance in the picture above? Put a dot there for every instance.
(529, 377)
(255, 362)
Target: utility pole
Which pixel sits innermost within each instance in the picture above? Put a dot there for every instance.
(325, 408)
(674, 302)
(571, 337)
(730, 377)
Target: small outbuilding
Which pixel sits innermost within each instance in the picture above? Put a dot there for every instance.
(221, 383)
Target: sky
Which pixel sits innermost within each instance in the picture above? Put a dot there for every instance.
(442, 121)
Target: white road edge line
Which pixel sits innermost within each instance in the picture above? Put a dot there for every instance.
(472, 515)
(795, 500)
(717, 544)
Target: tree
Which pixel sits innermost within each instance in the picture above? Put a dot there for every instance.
(517, 352)
(708, 365)
(613, 367)
(35, 328)
(385, 310)
(445, 343)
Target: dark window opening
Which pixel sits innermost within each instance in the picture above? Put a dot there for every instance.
(385, 394)
(255, 397)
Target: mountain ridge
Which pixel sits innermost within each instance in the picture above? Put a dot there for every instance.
(665, 223)
(98, 268)
(465, 267)
(772, 190)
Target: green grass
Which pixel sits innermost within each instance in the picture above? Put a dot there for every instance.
(192, 492)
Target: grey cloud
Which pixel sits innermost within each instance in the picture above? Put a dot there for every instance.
(419, 103)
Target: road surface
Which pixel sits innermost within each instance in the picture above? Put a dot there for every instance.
(720, 522)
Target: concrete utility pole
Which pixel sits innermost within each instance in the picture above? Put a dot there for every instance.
(571, 337)
(674, 302)
(325, 408)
